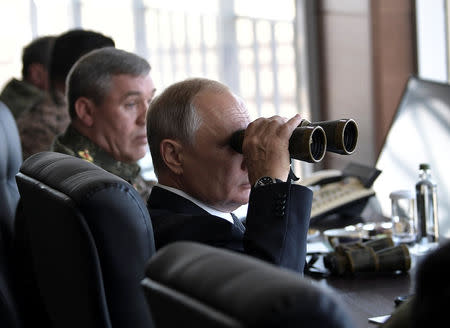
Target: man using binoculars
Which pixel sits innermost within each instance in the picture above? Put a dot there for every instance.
(202, 179)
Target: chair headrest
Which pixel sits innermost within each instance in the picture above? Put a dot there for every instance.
(98, 194)
(250, 291)
(67, 174)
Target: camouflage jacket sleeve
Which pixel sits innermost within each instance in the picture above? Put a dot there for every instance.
(39, 126)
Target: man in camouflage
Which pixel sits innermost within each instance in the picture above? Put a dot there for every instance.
(39, 125)
(20, 95)
(108, 93)
(48, 117)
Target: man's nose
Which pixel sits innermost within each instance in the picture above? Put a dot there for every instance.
(243, 165)
(142, 115)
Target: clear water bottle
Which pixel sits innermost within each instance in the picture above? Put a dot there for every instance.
(426, 200)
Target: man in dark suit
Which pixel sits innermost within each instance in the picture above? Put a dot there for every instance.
(202, 179)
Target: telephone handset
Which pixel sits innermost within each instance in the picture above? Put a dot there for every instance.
(341, 192)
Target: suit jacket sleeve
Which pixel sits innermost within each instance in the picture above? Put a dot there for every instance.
(277, 224)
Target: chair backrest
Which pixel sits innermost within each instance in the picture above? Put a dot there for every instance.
(83, 236)
(10, 160)
(193, 285)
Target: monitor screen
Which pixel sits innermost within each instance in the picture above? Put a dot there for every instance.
(420, 133)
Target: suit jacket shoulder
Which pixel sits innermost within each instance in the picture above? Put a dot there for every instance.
(175, 218)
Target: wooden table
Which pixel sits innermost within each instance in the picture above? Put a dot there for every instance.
(370, 294)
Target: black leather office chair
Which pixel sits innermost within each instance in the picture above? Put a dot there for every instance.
(83, 236)
(193, 285)
(10, 160)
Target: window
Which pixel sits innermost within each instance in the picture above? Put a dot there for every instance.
(432, 28)
(248, 45)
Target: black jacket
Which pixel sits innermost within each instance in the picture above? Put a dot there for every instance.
(276, 224)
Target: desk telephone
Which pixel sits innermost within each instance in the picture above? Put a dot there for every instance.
(342, 192)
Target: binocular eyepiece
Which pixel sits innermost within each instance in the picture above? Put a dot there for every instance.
(309, 141)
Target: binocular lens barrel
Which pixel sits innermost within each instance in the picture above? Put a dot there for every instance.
(318, 145)
(307, 143)
(342, 135)
(310, 140)
(350, 136)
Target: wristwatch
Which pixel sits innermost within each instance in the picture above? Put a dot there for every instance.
(264, 181)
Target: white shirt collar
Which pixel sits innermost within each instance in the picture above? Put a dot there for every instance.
(212, 211)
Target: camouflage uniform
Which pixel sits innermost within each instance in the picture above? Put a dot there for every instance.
(75, 144)
(39, 125)
(19, 96)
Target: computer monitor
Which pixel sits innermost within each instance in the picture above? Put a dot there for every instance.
(419, 133)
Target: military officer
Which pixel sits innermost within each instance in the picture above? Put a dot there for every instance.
(108, 93)
(47, 118)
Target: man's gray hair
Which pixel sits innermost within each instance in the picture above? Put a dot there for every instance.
(173, 115)
(91, 75)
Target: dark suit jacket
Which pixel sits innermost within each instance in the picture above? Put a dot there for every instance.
(276, 224)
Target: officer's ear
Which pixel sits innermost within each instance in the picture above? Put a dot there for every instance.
(84, 108)
(38, 76)
(172, 155)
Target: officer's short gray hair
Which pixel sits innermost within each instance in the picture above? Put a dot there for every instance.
(173, 115)
(91, 75)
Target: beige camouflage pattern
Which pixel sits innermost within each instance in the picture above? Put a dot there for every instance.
(39, 125)
(75, 144)
(19, 96)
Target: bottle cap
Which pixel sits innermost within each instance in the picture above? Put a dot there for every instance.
(424, 166)
(399, 194)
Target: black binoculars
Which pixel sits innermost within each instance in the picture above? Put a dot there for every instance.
(377, 255)
(309, 141)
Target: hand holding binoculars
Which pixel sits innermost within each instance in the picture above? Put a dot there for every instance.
(309, 141)
(377, 255)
